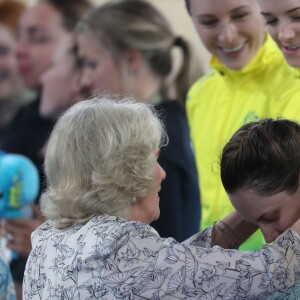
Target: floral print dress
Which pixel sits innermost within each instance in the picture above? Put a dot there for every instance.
(112, 258)
(7, 290)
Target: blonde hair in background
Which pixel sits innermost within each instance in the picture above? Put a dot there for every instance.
(136, 24)
(10, 13)
(100, 159)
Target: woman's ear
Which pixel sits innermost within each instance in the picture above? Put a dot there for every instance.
(132, 59)
(77, 85)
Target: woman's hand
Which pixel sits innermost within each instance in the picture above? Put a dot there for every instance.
(19, 232)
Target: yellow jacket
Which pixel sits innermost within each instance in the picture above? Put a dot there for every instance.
(289, 105)
(222, 101)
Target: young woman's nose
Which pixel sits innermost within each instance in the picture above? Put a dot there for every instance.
(227, 34)
(21, 48)
(86, 80)
(285, 32)
(269, 233)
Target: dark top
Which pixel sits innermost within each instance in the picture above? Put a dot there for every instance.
(27, 134)
(179, 195)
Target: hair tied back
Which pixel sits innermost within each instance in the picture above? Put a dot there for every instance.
(178, 41)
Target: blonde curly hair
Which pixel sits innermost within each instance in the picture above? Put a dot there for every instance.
(100, 159)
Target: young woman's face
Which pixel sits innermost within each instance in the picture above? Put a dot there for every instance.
(61, 81)
(283, 21)
(233, 30)
(9, 78)
(40, 31)
(100, 70)
(273, 214)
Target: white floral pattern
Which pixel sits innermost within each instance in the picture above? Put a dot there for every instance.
(7, 290)
(112, 258)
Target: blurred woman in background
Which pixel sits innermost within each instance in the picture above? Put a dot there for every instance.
(13, 93)
(127, 48)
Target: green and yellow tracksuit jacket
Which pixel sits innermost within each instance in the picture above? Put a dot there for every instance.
(221, 102)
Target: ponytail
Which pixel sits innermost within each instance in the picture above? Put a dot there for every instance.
(189, 71)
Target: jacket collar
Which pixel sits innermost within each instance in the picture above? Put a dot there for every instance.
(296, 72)
(266, 54)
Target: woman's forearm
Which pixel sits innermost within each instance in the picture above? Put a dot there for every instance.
(232, 231)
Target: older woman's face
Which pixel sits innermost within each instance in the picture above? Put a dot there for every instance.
(146, 209)
(283, 21)
(100, 70)
(233, 30)
(273, 214)
(9, 78)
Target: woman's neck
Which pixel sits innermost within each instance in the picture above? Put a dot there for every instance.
(143, 84)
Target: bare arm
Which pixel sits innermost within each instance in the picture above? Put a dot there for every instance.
(232, 231)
